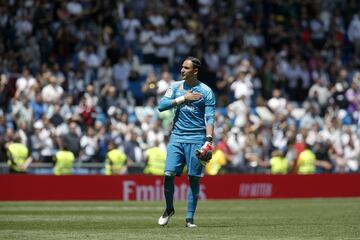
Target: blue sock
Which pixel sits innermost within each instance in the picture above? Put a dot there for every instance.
(169, 191)
(193, 196)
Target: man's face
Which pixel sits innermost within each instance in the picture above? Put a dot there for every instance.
(188, 71)
(72, 127)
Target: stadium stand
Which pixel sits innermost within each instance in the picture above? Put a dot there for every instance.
(85, 73)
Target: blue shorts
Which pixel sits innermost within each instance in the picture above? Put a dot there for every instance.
(179, 154)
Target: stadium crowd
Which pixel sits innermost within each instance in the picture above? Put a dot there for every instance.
(85, 77)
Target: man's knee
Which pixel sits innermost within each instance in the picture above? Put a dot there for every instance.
(170, 174)
(194, 179)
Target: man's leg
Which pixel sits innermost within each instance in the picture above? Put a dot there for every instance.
(169, 197)
(169, 189)
(195, 172)
(174, 165)
(193, 196)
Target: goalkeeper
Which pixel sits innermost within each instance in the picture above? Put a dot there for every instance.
(191, 136)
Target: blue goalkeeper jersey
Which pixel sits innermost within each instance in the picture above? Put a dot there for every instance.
(190, 118)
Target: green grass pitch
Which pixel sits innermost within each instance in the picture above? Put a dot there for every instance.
(243, 219)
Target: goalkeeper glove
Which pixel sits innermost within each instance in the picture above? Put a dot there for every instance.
(204, 154)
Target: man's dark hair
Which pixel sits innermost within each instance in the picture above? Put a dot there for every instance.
(195, 61)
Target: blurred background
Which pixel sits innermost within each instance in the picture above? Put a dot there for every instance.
(80, 82)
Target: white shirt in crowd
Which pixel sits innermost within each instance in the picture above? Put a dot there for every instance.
(131, 26)
(354, 29)
(146, 40)
(163, 42)
(25, 83)
(51, 93)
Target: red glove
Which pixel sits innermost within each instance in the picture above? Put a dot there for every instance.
(204, 154)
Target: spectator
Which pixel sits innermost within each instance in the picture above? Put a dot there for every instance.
(164, 83)
(133, 152)
(38, 107)
(89, 146)
(319, 93)
(155, 160)
(22, 111)
(18, 156)
(352, 153)
(71, 139)
(36, 143)
(86, 111)
(121, 72)
(254, 152)
(311, 117)
(131, 26)
(352, 96)
(52, 92)
(220, 158)
(307, 161)
(277, 103)
(56, 118)
(354, 32)
(278, 163)
(64, 161)
(147, 45)
(91, 99)
(115, 160)
(163, 50)
(25, 83)
(105, 76)
(150, 87)
(68, 109)
(4, 93)
(242, 86)
(323, 161)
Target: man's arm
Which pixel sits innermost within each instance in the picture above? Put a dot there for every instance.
(210, 119)
(27, 163)
(209, 130)
(168, 101)
(210, 114)
(9, 155)
(205, 153)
